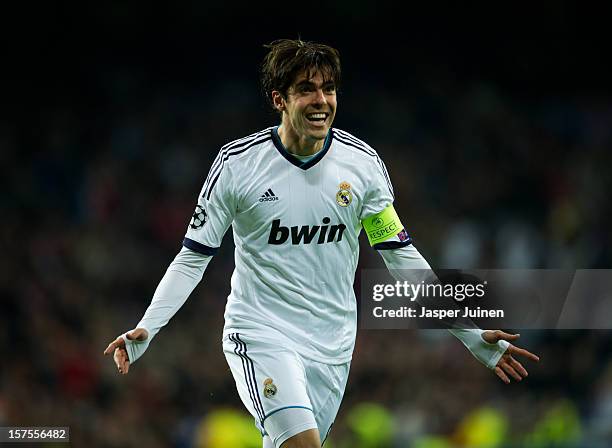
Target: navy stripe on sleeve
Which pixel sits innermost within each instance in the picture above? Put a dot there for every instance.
(389, 245)
(199, 247)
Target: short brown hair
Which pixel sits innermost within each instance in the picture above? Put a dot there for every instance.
(287, 57)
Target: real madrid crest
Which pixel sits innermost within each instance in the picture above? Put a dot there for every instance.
(344, 195)
(269, 388)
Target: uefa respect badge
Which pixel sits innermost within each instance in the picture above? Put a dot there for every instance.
(383, 226)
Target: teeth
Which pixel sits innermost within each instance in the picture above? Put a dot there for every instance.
(317, 116)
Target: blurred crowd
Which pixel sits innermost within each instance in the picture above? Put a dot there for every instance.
(96, 202)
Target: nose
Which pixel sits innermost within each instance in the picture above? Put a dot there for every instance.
(320, 97)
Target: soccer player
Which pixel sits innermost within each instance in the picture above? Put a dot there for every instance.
(297, 196)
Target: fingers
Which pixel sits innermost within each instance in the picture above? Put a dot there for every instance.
(121, 360)
(500, 373)
(117, 343)
(508, 365)
(518, 367)
(514, 350)
(510, 371)
(494, 336)
(502, 335)
(119, 352)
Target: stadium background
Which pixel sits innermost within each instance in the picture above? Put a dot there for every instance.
(494, 125)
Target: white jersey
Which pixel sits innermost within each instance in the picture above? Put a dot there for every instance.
(296, 226)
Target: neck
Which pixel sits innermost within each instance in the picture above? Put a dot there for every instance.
(296, 144)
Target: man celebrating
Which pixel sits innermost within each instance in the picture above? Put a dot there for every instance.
(297, 196)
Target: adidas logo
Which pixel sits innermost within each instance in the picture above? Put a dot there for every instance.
(268, 196)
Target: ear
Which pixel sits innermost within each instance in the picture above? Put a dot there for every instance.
(278, 101)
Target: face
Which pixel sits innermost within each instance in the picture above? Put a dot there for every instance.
(310, 106)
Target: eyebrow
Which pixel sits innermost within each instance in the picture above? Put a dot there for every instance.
(306, 82)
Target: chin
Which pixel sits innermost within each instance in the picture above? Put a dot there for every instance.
(319, 134)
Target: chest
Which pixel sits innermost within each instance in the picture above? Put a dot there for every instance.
(277, 190)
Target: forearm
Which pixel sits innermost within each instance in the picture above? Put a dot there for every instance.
(407, 264)
(177, 284)
(179, 281)
(402, 260)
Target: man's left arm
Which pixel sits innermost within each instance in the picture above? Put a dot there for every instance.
(405, 263)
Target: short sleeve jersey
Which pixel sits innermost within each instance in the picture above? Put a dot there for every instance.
(295, 226)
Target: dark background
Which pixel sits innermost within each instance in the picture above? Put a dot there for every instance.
(494, 123)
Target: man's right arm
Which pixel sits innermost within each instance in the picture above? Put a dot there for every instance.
(177, 284)
(214, 213)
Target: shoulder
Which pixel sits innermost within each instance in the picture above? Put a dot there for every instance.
(352, 143)
(236, 149)
(234, 152)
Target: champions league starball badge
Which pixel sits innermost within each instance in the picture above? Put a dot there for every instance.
(344, 195)
(199, 218)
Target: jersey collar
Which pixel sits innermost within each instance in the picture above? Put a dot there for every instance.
(294, 160)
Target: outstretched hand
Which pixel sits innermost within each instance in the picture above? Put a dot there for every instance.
(119, 352)
(507, 365)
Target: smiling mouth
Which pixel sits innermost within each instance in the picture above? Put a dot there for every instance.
(317, 117)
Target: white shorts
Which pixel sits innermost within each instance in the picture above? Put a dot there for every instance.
(285, 393)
